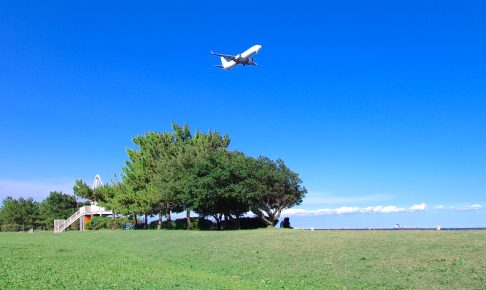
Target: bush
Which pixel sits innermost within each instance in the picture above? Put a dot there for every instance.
(178, 224)
(97, 222)
(153, 225)
(100, 222)
(11, 228)
(202, 224)
(181, 224)
(246, 223)
(116, 223)
(74, 226)
(196, 224)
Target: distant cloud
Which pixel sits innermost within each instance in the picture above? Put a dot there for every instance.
(351, 210)
(37, 189)
(470, 207)
(321, 198)
(417, 207)
(461, 208)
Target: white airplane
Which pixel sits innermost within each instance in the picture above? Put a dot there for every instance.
(230, 61)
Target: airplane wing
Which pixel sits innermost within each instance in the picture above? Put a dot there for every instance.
(227, 56)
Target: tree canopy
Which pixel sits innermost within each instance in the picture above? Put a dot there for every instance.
(25, 213)
(172, 172)
(19, 213)
(57, 205)
(177, 171)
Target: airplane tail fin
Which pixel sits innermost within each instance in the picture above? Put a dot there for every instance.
(224, 63)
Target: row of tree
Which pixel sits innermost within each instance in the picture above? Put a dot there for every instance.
(25, 213)
(174, 172)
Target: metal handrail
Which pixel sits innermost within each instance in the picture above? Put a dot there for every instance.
(61, 225)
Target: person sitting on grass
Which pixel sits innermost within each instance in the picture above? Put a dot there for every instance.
(285, 224)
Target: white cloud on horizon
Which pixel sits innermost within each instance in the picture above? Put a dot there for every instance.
(476, 206)
(350, 210)
(323, 198)
(37, 189)
(470, 207)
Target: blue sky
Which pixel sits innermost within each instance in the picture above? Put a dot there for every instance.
(379, 106)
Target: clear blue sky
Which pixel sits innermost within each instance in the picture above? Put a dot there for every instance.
(374, 104)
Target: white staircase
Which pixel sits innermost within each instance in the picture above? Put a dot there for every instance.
(61, 225)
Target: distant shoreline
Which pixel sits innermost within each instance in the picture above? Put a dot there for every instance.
(396, 229)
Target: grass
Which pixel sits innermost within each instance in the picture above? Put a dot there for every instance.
(274, 259)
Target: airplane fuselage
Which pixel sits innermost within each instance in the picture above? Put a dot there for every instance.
(229, 62)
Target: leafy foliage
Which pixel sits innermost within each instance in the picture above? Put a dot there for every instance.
(56, 206)
(278, 188)
(100, 222)
(18, 214)
(178, 171)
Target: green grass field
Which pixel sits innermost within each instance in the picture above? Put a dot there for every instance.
(274, 259)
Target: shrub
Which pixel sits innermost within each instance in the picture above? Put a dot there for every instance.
(196, 224)
(74, 226)
(202, 224)
(11, 228)
(116, 223)
(181, 224)
(246, 223)
(100, 222)
(97, 222)
(153, 225)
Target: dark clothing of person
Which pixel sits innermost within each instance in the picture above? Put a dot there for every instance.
(285, 224)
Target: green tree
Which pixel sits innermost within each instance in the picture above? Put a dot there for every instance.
(83, 190)
(103, 195)
(155, 172)
(218, 186)
(142, 172)
(56, 206)
(175, 171)
(276, 188)
(21, 213)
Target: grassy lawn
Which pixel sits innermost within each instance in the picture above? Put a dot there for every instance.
(274, 259)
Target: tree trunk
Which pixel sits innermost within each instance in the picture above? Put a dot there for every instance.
(188, 218)
(226, 222)
(276, 214)
(217, 217)
(146, 221)
(238, 223)
(159, 225)
(269, 221)
(167, 217)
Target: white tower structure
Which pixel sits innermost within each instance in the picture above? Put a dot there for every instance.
(97, 181)
(85, 213)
